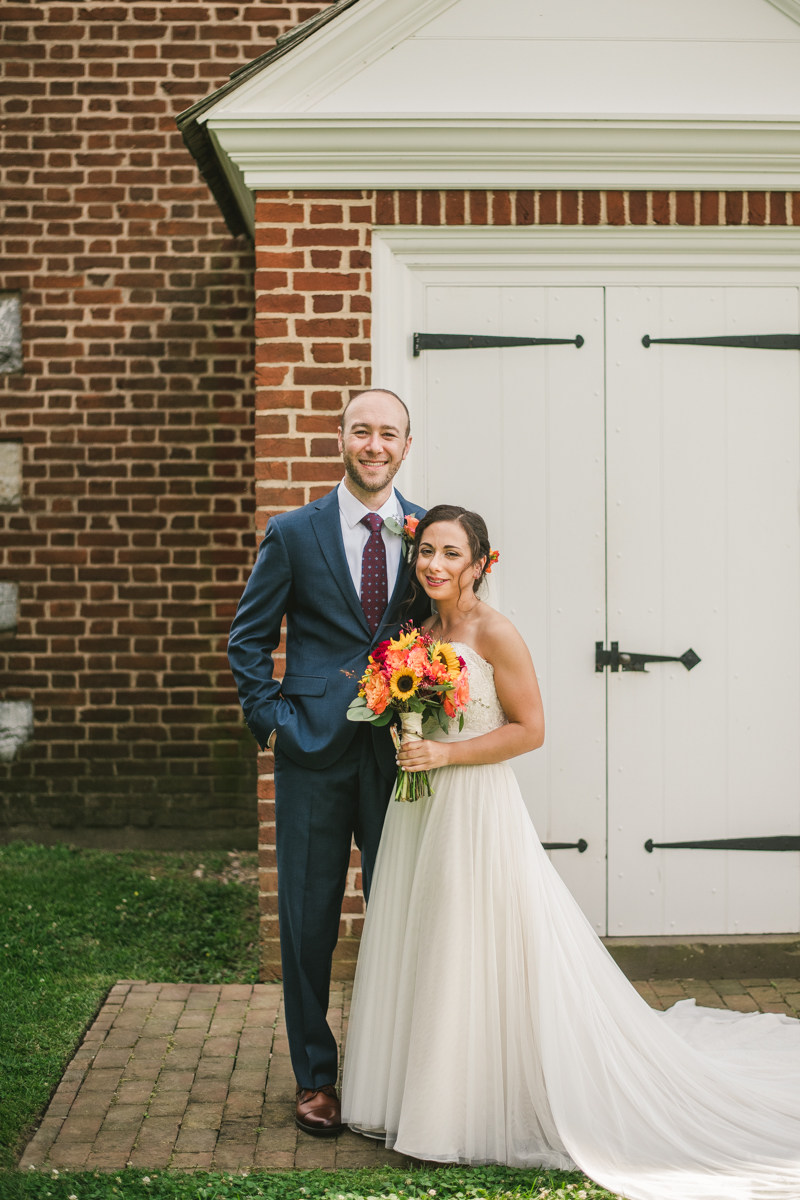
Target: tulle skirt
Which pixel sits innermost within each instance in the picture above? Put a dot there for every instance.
(490, 1025)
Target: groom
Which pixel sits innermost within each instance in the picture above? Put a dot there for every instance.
(338, 574)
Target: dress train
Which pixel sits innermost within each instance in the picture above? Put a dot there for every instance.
(490, 1025)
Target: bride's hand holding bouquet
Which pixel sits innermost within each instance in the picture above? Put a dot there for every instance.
(418, 678)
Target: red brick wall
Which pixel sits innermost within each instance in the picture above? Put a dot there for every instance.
(313, 289)
(135, 408)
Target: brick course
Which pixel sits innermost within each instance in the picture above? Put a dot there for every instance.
(313, 302)
(135, 408)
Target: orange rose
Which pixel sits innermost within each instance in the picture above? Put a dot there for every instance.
(377, 693)
(436, 670)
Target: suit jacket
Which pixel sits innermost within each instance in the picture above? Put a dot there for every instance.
(301, 571)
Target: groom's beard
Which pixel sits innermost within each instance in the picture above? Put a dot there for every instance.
(372, 481)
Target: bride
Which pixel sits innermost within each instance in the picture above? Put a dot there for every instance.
(489, 1024)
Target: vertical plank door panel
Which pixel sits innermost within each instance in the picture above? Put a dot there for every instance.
(703, 551)
(517, 435)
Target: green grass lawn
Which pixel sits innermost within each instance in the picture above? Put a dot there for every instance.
(72, 922)
(444, 1183)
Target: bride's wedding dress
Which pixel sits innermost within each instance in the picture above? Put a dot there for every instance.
(490, 1025)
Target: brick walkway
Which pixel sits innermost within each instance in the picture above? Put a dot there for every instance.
(186, 1076)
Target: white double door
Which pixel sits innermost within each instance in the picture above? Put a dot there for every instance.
(648, 497)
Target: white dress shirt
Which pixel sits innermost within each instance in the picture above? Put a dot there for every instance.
(355, 535)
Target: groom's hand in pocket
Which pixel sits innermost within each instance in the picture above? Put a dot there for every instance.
(423, 756)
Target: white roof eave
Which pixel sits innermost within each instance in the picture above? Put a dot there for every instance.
(587, 151)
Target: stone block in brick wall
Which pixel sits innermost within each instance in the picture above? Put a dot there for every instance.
(9, 597)
(10, 474)
(10, 334)
(16, 727)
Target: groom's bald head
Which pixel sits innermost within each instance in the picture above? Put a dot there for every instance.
(354, 406)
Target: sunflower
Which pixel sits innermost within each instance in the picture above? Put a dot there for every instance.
(444, 653)
(404, 684)
(404, 640)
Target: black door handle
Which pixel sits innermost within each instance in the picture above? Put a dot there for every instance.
(626, 660)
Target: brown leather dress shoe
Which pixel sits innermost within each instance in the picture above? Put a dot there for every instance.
(318, 1111)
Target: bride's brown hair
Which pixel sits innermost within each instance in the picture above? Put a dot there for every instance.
(474, 527)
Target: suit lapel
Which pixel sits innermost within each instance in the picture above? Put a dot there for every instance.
(328, 529)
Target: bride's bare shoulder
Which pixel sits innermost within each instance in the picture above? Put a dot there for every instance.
(497, 639)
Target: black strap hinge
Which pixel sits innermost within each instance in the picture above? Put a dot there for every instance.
(479, 341)
(752, 843)
(755, 341)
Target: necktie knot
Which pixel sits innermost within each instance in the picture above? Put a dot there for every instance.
(373, 522)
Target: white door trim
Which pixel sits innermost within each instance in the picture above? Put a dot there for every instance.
(579, 252)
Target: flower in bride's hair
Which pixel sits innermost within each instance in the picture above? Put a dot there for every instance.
(377, 692)
(444, 653)
(404, 684)
(494, 557)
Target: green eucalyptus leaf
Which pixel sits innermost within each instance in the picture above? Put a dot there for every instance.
(360, 714)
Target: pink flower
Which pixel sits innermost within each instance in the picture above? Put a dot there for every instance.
(395, 659)
(417, 659)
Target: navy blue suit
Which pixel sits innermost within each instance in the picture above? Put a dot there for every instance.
(333, 777)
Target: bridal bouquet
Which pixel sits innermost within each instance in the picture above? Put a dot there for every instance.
(419, 679)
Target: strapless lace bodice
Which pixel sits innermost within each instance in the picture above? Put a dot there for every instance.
(483, 713)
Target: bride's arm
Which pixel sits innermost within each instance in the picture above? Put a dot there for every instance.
(518, 692)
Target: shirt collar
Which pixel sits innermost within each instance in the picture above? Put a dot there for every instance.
(354, 511)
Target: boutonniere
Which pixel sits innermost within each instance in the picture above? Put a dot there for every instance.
(406, 531)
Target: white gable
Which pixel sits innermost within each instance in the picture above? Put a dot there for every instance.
(551, 56)
(526, 93)
(618, 56)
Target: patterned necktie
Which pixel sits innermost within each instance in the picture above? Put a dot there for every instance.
(374, 585)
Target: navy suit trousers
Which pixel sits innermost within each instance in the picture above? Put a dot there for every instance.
(316, 815)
